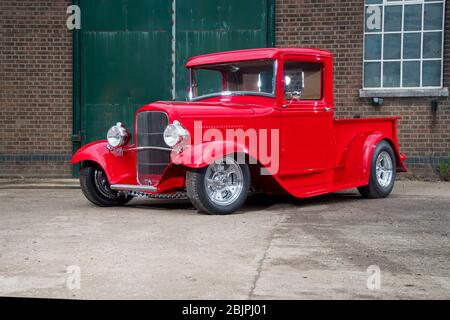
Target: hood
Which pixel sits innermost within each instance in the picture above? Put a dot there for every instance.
(183, 110)
(220, 115)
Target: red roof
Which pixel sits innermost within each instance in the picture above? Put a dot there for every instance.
(252, 54)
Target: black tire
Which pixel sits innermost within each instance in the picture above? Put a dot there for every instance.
(197, 192)
(96, 189)
(375, 189)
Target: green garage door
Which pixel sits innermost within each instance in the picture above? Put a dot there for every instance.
(205, 26)
(130, 52)
(125, 60)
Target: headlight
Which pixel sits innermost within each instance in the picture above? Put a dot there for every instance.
(174, 133)
(118, 136)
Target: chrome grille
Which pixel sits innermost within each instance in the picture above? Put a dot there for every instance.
(151, 163)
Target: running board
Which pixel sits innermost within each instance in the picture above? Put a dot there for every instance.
(130, 187)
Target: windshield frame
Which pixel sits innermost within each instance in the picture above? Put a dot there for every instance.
(233, 93)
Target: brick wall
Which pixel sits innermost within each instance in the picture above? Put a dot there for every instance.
(35, 88)
(338, 26)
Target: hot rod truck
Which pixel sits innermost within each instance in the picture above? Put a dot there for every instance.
(260, 119)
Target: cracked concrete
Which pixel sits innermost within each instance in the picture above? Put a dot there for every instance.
(261, 262)
(277, 248)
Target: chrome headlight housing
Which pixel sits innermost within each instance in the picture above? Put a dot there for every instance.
(118, 136)
(174, 134)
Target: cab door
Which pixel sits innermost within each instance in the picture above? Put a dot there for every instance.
(306, 124)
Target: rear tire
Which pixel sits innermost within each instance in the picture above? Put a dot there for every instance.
(219, 189)
(96, 188)
(382, 172)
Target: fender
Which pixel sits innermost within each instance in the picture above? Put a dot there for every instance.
(201, 155)
(354, 165)
(194, 157)
(120, 169)
(369, 147)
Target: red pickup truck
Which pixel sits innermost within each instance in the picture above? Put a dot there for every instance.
(260, 119)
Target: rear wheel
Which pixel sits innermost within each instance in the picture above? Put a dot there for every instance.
(382, 172)
(220, 188)
(96, 188)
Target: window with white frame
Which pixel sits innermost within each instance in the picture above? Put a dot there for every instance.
(403, 44)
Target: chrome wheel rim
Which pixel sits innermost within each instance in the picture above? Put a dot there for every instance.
(102, 184)
(384, 169)
(224, 182)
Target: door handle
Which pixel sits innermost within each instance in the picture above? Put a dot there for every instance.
(327, 109)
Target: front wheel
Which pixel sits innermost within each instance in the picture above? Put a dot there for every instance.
(96, 188)
(220, 188)
(382, 172)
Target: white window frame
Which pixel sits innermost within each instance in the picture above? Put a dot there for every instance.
(402, 32)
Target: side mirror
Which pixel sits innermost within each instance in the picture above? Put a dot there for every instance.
(288, 96)
(293, 95)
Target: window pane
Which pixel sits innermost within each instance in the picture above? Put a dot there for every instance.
(373, 47)
(392, 44)
(393, 18)
(372, 78)
(391, 74)
(432, 44)
(303, 77)
(411, 74)
(374, 1)
(431, 74)
(373, 18)
(411, 45)
(413, 17)
(433, 16)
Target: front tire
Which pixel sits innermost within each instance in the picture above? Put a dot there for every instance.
(96, 188)
(382, 172)
(220, 188)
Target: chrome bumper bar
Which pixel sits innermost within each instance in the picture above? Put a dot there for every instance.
(130, 187)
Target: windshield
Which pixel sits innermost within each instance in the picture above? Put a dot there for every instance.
(236, 78)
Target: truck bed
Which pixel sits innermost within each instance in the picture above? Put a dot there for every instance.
(350, 133)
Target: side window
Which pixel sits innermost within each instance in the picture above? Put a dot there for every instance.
(302, 80)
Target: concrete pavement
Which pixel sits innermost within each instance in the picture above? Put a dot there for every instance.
(278, 248)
